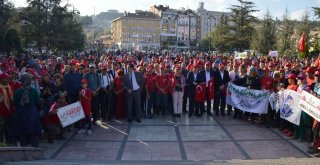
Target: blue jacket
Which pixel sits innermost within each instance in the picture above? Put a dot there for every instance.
(72, 83)
(94, 81)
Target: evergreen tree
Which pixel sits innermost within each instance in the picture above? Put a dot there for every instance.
(221, 36)
(264, 38)
(6, 9)
(48, 23)
(241, 24)
(284, 34)
(304, 27)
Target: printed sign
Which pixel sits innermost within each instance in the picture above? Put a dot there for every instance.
(70, 114)
(310, 104)
(248, 100)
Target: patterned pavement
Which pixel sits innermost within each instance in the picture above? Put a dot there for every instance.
(178, 139)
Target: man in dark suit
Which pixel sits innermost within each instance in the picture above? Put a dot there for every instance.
(204, 77)
(185, 72)
(133, 83)
(192, 82)
(221, 80)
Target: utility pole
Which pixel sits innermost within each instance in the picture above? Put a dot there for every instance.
(209, 20)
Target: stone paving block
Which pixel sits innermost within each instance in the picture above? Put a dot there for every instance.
(152, 133)
(152, 151)
(202, 133)
(212, 151)
(115, 134)
(157, 121)
(84, 150)
(250, 132)
(270, 149)
(205, 120)
(228, 120)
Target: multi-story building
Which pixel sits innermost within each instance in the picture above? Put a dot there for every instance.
(180, 29)
(209, 19)
(137, 31)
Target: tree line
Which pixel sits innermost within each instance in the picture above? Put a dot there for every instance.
(42, 24)
(243, 31)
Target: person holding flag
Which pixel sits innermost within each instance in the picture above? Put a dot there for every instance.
(191, 81)
(221, 80)
(200, 91)
(207, 75)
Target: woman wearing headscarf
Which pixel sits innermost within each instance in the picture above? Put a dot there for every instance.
(300, 130)
(120, 95)
(252, 82)
(240, 80)
(27, 126)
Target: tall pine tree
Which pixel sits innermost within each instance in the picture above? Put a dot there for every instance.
(264, 38)
(241, 24)
(284, 33)
(221, 36)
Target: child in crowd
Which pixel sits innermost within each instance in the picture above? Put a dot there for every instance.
(85, 96)
(51, 122)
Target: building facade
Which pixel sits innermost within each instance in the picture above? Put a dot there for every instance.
(180, 29)
(137, 31)
(209, 20)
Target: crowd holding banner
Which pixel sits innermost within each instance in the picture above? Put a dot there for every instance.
(52, 92)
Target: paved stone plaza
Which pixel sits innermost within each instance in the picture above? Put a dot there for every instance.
(178, 140)
(195, 139)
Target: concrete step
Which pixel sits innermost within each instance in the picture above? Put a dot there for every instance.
(20, 154)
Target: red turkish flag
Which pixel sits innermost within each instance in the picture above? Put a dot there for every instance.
(211, 89)
(302, 43)
(200, 93)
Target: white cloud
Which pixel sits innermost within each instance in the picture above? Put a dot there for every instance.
(297, 15)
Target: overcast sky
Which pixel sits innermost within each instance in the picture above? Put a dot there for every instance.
(276, 7)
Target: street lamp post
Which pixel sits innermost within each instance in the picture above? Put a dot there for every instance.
(209, 20)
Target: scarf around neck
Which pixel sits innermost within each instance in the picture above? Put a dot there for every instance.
(7, 94)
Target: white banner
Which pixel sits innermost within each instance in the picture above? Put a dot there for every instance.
(248, 100)
(70, 114)
(276, 100)
(310, 104)
(273, 53)
(242, 55)
(290, 110)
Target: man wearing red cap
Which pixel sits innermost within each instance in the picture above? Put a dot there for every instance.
(46, 90)
(310, 75)
(150, 90)
(14, 83)
(162, 85)
(234, 74)
(184, 72)
(287, 69)
(204, 77)
(105, 94)
(6, 105)
(191, 82)
(221, 80)
(267, 83)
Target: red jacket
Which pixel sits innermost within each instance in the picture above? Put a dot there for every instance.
(85, 103)
(150, 83)
(52, 116)
(15, 85)
(267, 82)
(163, 81)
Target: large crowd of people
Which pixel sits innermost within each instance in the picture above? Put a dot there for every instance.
(118, 85)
